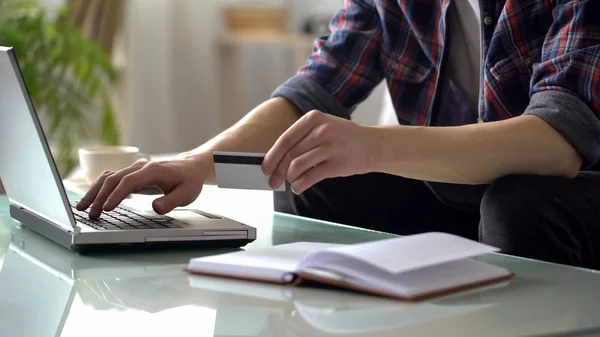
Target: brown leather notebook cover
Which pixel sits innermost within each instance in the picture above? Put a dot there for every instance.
(305, 278)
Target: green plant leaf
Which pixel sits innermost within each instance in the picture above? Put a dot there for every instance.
(68, 76)
(109, 132)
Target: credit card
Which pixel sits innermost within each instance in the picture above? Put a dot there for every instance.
(241, 170)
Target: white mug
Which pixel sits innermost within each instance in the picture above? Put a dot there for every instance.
(97, 159)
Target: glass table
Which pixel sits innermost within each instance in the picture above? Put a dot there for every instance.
(46, 290)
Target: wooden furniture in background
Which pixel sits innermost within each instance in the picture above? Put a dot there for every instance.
(257, 18)
(230, 48)
(249, 26)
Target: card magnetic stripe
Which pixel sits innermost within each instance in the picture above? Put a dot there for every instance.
(229, 159)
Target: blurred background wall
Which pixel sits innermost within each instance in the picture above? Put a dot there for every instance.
(172, 73)
(171, 58)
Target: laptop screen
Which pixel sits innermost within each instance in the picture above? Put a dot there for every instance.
(27, 167)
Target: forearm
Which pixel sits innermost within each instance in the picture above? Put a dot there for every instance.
(256, 132)
(474, 154)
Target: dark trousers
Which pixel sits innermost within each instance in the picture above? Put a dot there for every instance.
(545, 218)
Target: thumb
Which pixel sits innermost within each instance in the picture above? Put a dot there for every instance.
(179, 196)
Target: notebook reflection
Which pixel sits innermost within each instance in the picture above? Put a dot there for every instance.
(323, 311)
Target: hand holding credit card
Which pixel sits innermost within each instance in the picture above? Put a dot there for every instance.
(241, 170)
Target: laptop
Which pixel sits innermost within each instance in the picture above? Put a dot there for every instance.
(38, 199)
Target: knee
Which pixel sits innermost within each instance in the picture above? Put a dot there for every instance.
(512, 213)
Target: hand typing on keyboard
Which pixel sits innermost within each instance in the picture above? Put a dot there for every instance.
(180, 180)
(124, 218)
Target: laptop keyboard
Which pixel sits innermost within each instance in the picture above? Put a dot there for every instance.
(123, 219)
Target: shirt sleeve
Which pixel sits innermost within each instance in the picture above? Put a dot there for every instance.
(565, 88)
(344, 66)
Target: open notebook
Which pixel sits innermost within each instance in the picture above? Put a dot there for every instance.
(410, 268)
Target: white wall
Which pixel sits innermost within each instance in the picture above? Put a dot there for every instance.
(171, 76)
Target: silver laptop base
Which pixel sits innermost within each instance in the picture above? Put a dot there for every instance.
(63, 238)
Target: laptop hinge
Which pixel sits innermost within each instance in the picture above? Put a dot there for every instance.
(51, 230)
(67, 227)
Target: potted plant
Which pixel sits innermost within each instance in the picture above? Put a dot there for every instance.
(69, 77)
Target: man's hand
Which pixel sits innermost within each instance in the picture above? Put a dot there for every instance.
(316, 147)
(180, 180)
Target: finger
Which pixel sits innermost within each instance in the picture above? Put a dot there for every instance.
(312, 177)
(289, 139)
(148, 175)
(280, 175)
(305, 162)
(181, 195)
(90, 196)
(149, 190)
(107, 187)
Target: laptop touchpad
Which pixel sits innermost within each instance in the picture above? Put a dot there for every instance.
(191, 215)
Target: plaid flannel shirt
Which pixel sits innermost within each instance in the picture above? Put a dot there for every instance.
(539, 57)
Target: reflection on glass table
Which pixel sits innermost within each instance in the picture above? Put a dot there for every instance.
(46, 290)
(64, 293)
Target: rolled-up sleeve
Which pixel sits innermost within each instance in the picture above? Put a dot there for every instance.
(344, 66)
(565, 87)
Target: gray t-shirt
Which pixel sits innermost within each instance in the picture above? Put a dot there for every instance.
(464, 59)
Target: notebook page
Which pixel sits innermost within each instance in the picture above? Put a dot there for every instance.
(417, 282)
(402, 254)
(268, 264)
(445, 276)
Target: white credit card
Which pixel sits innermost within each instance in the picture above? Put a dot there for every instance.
(241, 170)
